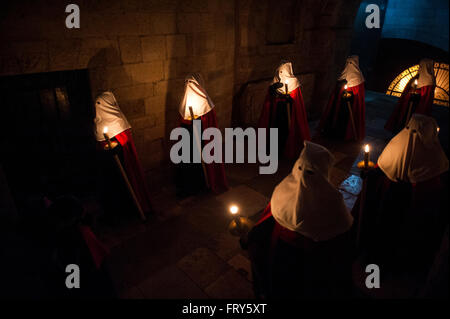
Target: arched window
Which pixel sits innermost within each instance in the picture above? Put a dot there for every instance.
(440, 93)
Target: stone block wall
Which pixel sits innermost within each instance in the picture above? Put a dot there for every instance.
(143, 49)
(323, 31)
(140, 49)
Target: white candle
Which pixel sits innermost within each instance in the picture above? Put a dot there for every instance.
(366, 156)
(105, 134)
(234, 210)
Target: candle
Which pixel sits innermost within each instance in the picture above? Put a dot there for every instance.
(286, 87)
(105, 134)
(415, 83)
(366, 156)
(438, 129)
(234, 210)
(345, 88)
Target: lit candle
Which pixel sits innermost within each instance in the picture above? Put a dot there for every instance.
(234, 210)
(286, 87)
(438, 129)
(366, 156)
(345, 88)
(105, 134)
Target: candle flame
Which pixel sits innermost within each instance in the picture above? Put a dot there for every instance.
(234, 209)
(366, 148)
(438, 129)
(415, 82)
(345, 87)
(105, 130)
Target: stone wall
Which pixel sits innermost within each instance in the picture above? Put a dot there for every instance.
(143, 49)
(323, 31)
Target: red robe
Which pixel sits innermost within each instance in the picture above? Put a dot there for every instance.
(299, 130)
(402, 223)
(286, 264)
(97, 249)
(331, 112)
(134, 169)
(215, 171)
(397, 118)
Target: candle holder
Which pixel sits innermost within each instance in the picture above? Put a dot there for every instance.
(366, 164)
(239, 226)
(113, 146)
(347, 97)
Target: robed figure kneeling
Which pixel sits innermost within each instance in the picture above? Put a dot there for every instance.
(403, 215)
(344, 115)
(417, 97)
(193, 177)
(302, 244)
(284, 109)
(111, 123)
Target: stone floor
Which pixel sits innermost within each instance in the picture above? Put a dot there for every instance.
(186, 251)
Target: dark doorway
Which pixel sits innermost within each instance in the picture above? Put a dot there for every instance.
(47, 144)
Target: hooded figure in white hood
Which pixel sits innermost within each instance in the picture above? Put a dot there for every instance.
(189, 175)
(305, 229)
(415, 154)
(404, 208)
(306, 202)
(336, 120)
(108, 114)
(284, 109)
(421, 102)
(111, 120)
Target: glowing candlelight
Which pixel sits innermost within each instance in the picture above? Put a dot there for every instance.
(438, 129)
(415, 82)
(105, 134)
(345, 87)
(234, 210)
(366, 156)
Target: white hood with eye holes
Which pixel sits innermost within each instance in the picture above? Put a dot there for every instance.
(352, 73)
(108, 114)
(306, 202)
(195, 95)
(415, 154)
(285, 74)
(426, 73)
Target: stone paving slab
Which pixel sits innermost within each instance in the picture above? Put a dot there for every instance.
(242, 265)
(202, 266)
(171, 283)
(224, 245)
(230, 285)
(250, 202)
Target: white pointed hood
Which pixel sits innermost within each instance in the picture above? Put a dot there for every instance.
(108, 114)
(426, 73)
(351, 72)
(306, 202)
(285, 74)
(195, 95)
(415, 154)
